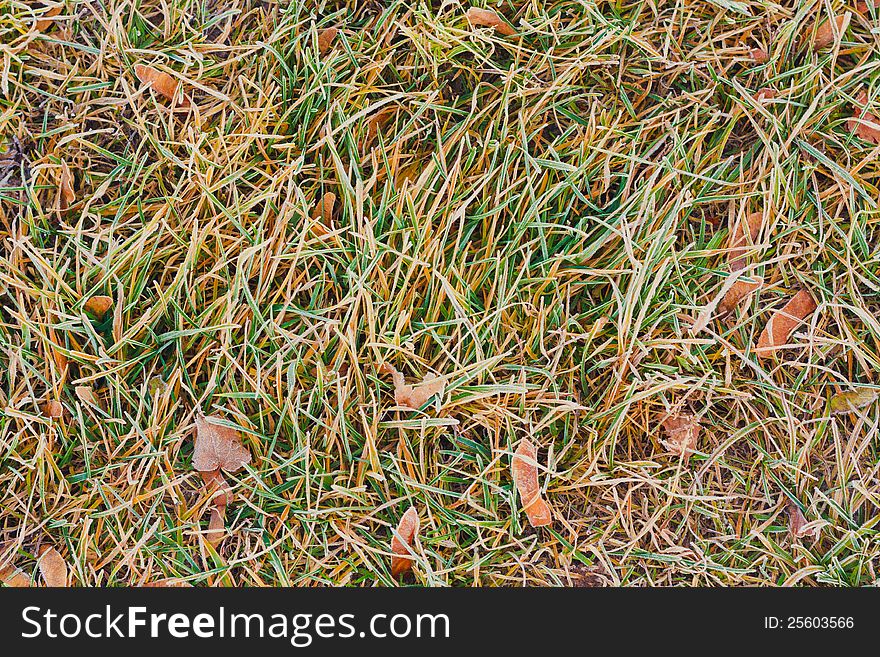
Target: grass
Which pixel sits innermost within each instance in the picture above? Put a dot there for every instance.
(539, 218)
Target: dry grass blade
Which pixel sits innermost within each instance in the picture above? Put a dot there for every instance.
(53, 568)
(402, 542)
(487, 18)
(167, 584)
(525, 475)
(783, 323)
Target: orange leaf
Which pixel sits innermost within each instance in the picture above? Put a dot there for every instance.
(216, 526)
(52, 408)
(326, 38)
(783, 322)
(46, 21)
(53, 568)
(14, 577)
(86, 395)
(98, 305)
(322, 216)
(742, 288)
(759, 55)
(66, 195)
(683, 431)
(742, 238)
(413, 397)
(525, 475)
(488, 18)
(402, 540)
(221, 493)
(765, 93)
(217, 446)
(864, 123)
(376, 122)
(825, 33)
(162, 83)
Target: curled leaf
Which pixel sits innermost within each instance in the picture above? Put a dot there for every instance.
(217, 446)
(53, 568)
(742, 288)
(326, 37)
(487, 18)
(847, 402)
(98, 305)
(216, 526)
(162, 83)
(413, 397)
(797, 523)
(826, 33)
(742, 238)
(322, 216)
(218, 489)
(783, 322)
(66, 195)
(402, 540)
(525, 475)
(683, 433)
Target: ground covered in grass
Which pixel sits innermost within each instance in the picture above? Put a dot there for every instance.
(547, 221)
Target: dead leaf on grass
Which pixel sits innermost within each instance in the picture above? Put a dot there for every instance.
(797, 523)
(683, 433)
(53, 568)
(525, 475)
(402, 541)
(413, 397)
(66, 195)
(487, 18)
(98, 305)
(326, 37)
(218, 446)
(162, 83)
(742, 288)
(826, 33)
(783, 323)
(848, 402)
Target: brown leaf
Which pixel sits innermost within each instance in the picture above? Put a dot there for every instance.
(53, 568)
(864, 123)
(52, 408)
(683, 431)
(376, 122)
(742, 238)
(765, 93)
(217, 446)
(171, 582)
(742, 288)
(797, 523)
(86, 395)
(413, 397)
(783, 322)
(322, 216)
(525, 475)
(488, 18)
(14, 577)
(46, 21)
(848, 402)
(66, 195)
(863, 7)
(825, 33)
(759, 55)
(162, 83)
(216, 526)
(98, 305)
(218, 489)
(402, 540)
(326, 37)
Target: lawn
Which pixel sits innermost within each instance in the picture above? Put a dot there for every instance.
(383, 249)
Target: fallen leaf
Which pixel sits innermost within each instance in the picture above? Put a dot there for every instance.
(797, 523)
(525, 475)
(783, 322)
(488, 18)
(52, 408)
(14, 577)
(86, 395)
(157, 386)
(683, 431)
(171, 582)
(217, 446)
(742, 239)
(98, 305)
(826, 33)
(45, 22)
(66, 195)
(742, 288)
(326, 37)
(376, 122)
(402, 540)
(863, 7)
(162, 83)
(759, 55)
(53, 568)
(221, 493)
(322, 216)
(413, 397)
(216, 526)
(864, 123)
(847, 402)
(765, 93)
